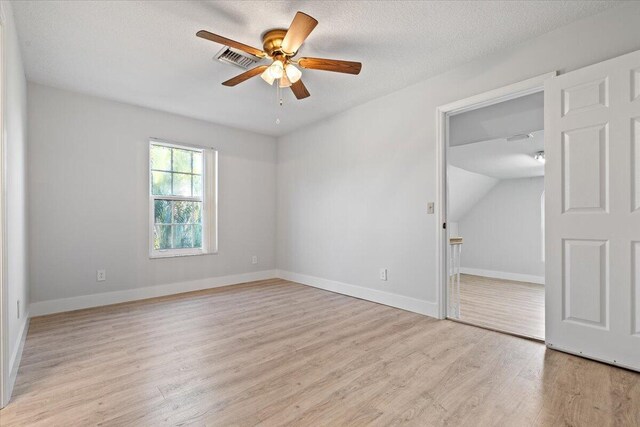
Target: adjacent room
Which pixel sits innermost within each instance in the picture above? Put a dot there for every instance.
(495, 216)
(319, 213)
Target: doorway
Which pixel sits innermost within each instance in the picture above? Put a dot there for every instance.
(492, 240)
(592, 208)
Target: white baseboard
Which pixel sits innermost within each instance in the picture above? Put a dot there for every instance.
(503, 275)
(41, 308)
(16, 356)
(415, 305)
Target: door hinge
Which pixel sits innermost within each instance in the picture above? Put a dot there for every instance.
(444, 225)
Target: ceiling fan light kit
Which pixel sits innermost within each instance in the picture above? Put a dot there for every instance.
(284, 81)
(293, 74)
(276, 69)
(280, 46)
(266, 76)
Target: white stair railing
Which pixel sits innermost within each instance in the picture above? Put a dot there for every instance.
(455, 250)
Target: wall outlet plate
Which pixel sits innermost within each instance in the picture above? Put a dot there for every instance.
(431, 207)
(101, 275)
(254, 259)
(383, 274)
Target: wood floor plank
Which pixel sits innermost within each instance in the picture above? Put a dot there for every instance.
(278, 353)
(502, 305)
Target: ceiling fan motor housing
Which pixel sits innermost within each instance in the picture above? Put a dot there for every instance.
(272, 43)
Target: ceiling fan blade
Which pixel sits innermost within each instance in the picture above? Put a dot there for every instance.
(246, 75)
(298, 31)
(348, 67)
(231, 43)
(300, 90)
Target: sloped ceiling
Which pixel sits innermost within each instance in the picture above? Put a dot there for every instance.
(522, 115)
(146, 52)
(500, 158)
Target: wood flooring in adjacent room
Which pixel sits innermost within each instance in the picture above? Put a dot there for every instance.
(503, 305)
(278, 353)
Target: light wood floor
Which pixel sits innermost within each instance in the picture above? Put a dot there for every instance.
(278, 353)
(503, 305)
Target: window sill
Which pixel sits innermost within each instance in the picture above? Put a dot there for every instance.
(160, 255)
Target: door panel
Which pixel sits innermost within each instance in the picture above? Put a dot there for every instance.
(592, 187)
(636, 288)
(584, 96)
(586, 282)
(635, 84)
(585, 169)
(635, 165)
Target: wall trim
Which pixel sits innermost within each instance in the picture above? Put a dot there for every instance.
(16, 357)
(415, 305)
(41, 308)
(505, 275)
(5, 389)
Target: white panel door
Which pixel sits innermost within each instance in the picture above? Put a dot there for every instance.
(592, 187)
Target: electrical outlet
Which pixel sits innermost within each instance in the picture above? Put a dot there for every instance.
(383, 274)
(431, 208)
(101, 275)
(254, 259)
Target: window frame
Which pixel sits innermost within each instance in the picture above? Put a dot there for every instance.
(209, 210)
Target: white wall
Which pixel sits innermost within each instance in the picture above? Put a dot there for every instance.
(464, 190)
(503, 232)
(352, 190)
(15, 123)
(88, 172)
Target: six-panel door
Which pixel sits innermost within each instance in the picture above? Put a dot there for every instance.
(592, 187)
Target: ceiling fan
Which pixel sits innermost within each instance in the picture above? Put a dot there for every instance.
(280, 46)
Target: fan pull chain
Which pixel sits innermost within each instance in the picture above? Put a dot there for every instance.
(279, 97)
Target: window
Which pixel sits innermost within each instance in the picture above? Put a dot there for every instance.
(182, 204)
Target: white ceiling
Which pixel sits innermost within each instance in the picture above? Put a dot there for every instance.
(146, 53)
(500, 158)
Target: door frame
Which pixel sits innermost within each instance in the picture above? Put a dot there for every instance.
(505, 93)
(5, 393)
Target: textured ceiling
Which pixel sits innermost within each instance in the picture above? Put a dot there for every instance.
(499, 158)
(146, 53)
